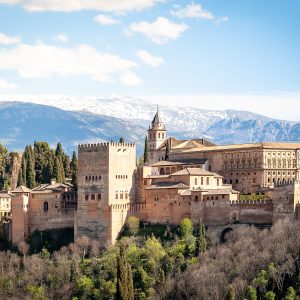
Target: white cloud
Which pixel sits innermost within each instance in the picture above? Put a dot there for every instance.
(160, 31)
(193, 11)
(117, 6)
(149, 59)
(7, 85)
(61, 37)
(222, 20)
(105, 20)
(9, 40)
(130, 78)
(43, 61)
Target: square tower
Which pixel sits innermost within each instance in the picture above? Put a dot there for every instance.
(106, 189)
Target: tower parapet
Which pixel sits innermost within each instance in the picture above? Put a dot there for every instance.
(100, 146)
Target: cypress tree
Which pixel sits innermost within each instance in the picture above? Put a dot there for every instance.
(146, 151)
(124, 277)
(58, 173)
(121, 140)
(67, 167)
(30, 171)
(74, 170)
(20, 178)
(167, 150)
(23, 170)
(59, 151)
(201, 243)
(42, 155)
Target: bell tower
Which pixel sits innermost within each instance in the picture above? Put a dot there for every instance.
(156, 134)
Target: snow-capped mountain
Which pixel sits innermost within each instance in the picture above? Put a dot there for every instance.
(76, 120)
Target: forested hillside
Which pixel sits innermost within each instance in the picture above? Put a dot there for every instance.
(160, 262)
(38, 164)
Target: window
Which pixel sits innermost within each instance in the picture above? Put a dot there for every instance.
(218, 181)
(207, 180)
(86, 197)
(93, 197)
(99, 196)
(196, 181)
(121, 195)
(201, 180)
(46, 207)
(126, 195)
(117, 196)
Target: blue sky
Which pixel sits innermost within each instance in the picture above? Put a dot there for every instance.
(188, 51)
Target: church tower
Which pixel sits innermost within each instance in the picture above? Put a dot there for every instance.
(156, 136)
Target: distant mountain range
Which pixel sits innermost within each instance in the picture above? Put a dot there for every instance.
(74, 120)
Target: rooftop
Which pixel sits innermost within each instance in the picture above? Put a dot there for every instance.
(194, 172)
(168, 185)
(200, 161)
(21, 189)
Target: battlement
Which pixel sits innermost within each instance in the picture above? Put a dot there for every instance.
(105, 145)
(265, 202)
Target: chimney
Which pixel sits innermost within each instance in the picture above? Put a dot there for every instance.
(53, 181)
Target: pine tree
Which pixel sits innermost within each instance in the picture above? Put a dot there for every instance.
(74, 170)
(146, 151)
(125, 289)
(167, 150)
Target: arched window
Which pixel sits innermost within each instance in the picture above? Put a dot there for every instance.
(46, 206)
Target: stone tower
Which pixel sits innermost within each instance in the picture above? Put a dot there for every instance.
(106, 189)
(157, 134)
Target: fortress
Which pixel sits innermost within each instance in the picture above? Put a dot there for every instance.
(217, 185)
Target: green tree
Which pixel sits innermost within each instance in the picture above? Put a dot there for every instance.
(167, 150)
(67, 166)
(201, 243)
(185, 227)
(42, 159)
(74, 169)
(146, 151)
(124, 277)
(59, 151)
(23, 170)
(132, 225)
(290, 294)
(269, 295)
(20, 178)
(30, 171)
(84, 285)
(251, 293)
(58, 172)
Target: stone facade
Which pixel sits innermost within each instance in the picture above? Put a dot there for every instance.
(106, 189)
(42, 208)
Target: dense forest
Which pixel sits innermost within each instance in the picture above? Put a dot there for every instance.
(161, 262)
(38, 164)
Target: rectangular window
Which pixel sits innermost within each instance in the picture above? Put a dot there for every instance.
(126, 195)
(117, 196)
(93, 197)
(196, 181)
(86, 197)
(218, 181)
(201, 180)
(207, 180)
(99, 196)
(121, 196)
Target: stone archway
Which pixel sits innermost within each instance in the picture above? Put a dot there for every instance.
(224, 234)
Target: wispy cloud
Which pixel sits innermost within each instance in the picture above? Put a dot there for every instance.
(222, 20)
(192, 11)
(160, 31)
(130, 78)
(43, 61)
(6, 84)
(61, 37)
(9, 40)
(149, 59)
(116, 6)
(105, 20)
